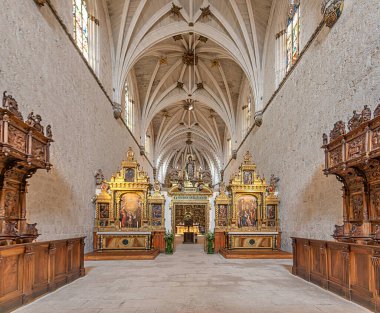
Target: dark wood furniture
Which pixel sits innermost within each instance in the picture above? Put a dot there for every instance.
(220, 240)
(24, 148)
(354, 158)
(188, 237)
(32, 269)
(350, 270)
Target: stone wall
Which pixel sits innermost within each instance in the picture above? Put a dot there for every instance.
(41, 68)
(340, 72)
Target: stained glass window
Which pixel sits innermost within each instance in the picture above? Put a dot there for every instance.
(293, 35)
(80, 19)
(128, 109)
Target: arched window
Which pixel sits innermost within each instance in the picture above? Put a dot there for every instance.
(293, 34)
(128, 108)
(81, 21)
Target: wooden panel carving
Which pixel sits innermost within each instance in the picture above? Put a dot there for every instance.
(24, 148)
(353, 157)
(350, 270)
(32, 269)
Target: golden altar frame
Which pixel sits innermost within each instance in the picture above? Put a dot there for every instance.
(252, 211)
(190, 194)
(156, 201)
(123, 215)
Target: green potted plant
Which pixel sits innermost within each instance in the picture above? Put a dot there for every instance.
(169, 239)
(210, 242)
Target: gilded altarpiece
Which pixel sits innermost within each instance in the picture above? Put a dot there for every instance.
(253, 211)
(191, 201)
(126, 216)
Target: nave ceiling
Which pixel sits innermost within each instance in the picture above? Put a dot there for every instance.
(189, 53)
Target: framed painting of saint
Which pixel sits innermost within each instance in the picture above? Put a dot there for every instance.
(130, 210)
(156, 211)
(271, 212)
(104, 210)
(129, 175)
(222, 214)
(247, 178)
(247, 211)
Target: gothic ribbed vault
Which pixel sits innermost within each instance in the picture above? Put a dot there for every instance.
(189, 62)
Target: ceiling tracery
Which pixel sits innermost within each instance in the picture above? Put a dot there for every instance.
(189, 60)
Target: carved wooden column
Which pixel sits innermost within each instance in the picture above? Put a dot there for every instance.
(51, 266)
(82, 269)
(376, 279)
(307, 263)
(29, 274)
(69, 264)
(346, 272)
(324, 266)
(294, 245)
(1, 277)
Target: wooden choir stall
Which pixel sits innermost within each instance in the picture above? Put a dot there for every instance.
(350, 266)
(246, 221)
(129, 222)
(28, 269)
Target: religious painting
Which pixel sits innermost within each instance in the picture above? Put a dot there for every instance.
(247, 178)
(247, 211)
(156, 223)
(129, 175)
(130, 210)
(271, 212)
(222, 214)
(104, 210)
(156, 214)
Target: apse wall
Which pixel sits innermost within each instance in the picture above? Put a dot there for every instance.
(41, 68)
(340, 72)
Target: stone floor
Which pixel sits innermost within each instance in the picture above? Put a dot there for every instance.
(190, 281)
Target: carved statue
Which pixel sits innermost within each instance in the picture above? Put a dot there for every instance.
(357, 206)
(11, 105)
(325, 139)
(338, 130)
(366, 114)
(206, 175)
(49, 133)
(156, 186)
(10, 228)
(31, 229)
(37, 124)
(31, 119)
(339, 231)
(273, 183)
(174, 174)
(99, 177)
(354, 121)
(376, 113)
(190, 168)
